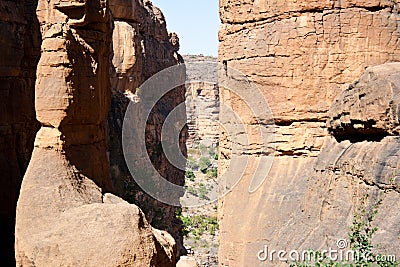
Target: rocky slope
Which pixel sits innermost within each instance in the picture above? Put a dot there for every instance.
(301, 55)
(20, 50)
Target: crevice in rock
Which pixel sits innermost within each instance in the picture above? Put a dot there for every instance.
(76, 11)
(277, 17)
(279, 122)
(290, 153)
(374, 8)
(134, 21)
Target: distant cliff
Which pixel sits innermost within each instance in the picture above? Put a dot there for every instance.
(202, 100)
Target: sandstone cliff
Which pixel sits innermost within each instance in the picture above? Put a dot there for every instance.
(141, 48)
(302, 55)
(19, 54)
(66, 214)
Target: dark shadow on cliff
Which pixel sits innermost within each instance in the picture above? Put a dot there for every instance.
(158, 214)
(83, 128)
(358, 135)
(18, 125)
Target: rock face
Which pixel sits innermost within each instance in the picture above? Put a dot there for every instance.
(65, 213)
(353, 117)
(141, 48)
(365, 162)
(302, 55)
(202, 101)
(20, 50)
(306, 45)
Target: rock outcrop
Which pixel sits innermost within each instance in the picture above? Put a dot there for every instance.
(302, 55)
(141, 48)
(360, 158)
(65, 214)
(20, 51)
(368, 108)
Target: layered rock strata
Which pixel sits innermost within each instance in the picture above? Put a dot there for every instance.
(202, 100)
(301, 55)
(65, 213)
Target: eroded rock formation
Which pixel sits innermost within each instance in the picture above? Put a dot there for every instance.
(302, 55)
(365, 163)
(65, 213)
(367, 109)
(141, 48)
(19, 54)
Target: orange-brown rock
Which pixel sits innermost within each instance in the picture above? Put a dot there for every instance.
(65, 213)
(352, 115)
(307, 45)
(302, 55)
(142, 47)
(19, 54)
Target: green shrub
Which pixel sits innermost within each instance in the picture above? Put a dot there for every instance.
(360, 235)
(202, 191)
(192, 164)
(192, 191)
(213, 152)
(215, 156)
(204, 163)
(212, 172)
(190, 175)
(203, 148)
(197, 225)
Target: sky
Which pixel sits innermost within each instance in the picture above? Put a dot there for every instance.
(195, 21)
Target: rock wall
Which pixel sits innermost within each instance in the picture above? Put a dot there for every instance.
(302, 55)
(141, 48)
(66, 214)
(20, 51)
